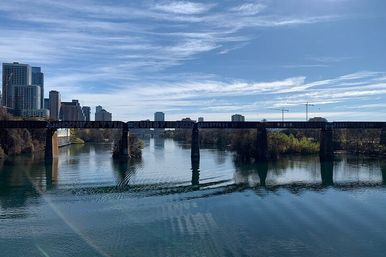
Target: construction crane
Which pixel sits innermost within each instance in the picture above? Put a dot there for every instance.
(283, 110)
(307, 105)
(5, 90)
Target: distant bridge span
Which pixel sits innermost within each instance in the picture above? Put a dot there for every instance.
(326, 144)
(189, 125)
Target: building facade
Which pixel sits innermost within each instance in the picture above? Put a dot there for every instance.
(102, 115)
(159, 116)
(14, 74)
(238, 117)
(54, 105)
(86, 112)
(23, 90)
(37, 79)
(71, 111)
(26, 98)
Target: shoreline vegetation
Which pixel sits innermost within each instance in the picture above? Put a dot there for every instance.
(19, 141)
(242, 142)
(108, 136)
(27, 141)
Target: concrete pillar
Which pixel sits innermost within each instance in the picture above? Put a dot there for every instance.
(326, 152)
(382, 140)
(195, 145)
(327, 173)
(51, 150)
(122, 148)
(261, 144)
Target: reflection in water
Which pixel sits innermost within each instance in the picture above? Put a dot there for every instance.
(383, 171)
(126, 169)
(145, 204)
(262, 170)
(195, 171)
(327, 173)
(21, 179)
(159, 142)
(51, 173)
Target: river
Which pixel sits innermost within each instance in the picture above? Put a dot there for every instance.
(86, 204)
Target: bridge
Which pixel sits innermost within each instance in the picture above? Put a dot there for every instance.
(326, 132)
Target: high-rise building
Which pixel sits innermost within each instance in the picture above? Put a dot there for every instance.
(86, 112)
(200, 119)
(38, 80)
(71, 111)
(14, 74)
(46, 103)
(159, 116)
(102, 115)
(55, 104)
(238, 117)
(98, 108)
(26, 97)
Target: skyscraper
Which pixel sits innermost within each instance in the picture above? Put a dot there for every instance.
(86, 112)
(71, 111)
(38, 80)
(26, 98)
(102, 115)
(14, 74)
(238, 117)
(55, 104)
(159, 116)
(46, 103)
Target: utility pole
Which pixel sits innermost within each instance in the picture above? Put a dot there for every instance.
(307, 105)
(283, 110)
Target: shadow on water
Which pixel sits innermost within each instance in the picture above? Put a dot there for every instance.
(21, 181)
(126, 169)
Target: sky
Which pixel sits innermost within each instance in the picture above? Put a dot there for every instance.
(206, 58)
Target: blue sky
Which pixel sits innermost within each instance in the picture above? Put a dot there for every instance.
(206, 58)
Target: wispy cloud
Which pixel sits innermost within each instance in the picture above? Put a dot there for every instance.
(220, 99)
(137, 55)
(249, 8)
(182, 7)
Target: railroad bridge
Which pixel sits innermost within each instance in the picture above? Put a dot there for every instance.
(326, 132)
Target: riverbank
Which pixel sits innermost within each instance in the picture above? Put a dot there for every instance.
(242, 142)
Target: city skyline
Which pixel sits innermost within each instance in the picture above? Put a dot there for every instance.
(194, 58)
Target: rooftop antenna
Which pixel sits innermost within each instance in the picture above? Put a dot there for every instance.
(307, 105)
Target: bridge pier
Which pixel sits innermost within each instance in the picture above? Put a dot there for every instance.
(261, 144)
(195, 145)
(122, 148)
(51, 150)
(326, 152)
(382, 140)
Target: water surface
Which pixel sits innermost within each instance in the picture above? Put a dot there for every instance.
(86, 204)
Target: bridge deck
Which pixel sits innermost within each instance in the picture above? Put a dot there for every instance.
(188, 124)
